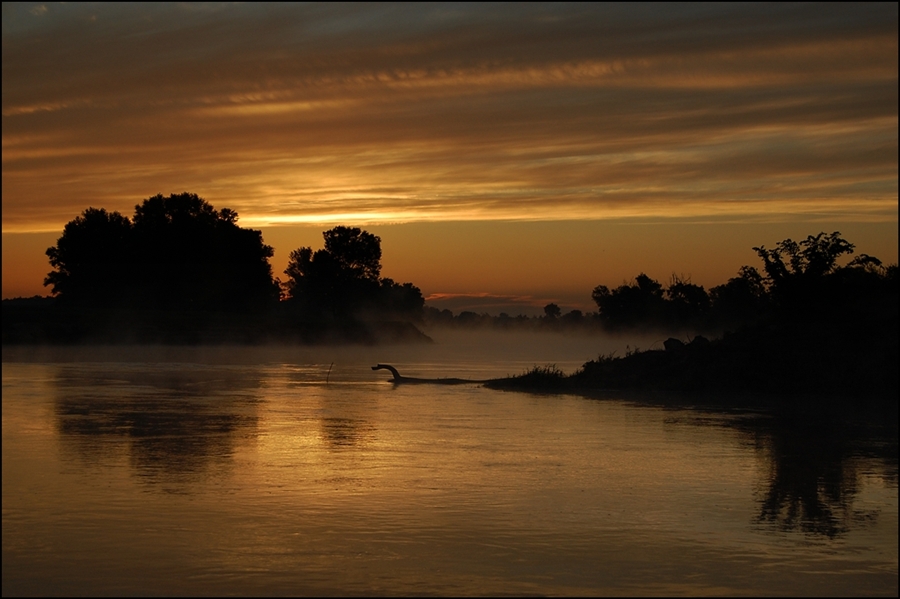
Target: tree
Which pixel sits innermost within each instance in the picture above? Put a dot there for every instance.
(804, 277)
(192, 256)
(741, 300)
(342, 279)
(640, 303)
(572, 319)
(687, 303)
(401, 301)
(552, 311)
(796, 270)
(338, 280)
(356, 252)
(91, 259)
(179, 253)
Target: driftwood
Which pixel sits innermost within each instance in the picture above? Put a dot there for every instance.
(398, 378)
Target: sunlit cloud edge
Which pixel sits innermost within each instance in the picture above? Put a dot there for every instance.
(762, 213)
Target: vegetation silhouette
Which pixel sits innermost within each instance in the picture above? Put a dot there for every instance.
(178, 253)
(92, 259)
(191, 256)
(180, 271)
(631, 305)
(342, 281)
(810, 326)
(552, 311)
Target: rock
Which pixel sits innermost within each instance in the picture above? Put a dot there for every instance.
(673, 344)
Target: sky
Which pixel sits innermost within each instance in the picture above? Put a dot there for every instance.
(507, 155)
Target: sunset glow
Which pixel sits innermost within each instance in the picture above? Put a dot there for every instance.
(450, 299)
(746, 119)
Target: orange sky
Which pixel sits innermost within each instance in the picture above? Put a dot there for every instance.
(530, 152)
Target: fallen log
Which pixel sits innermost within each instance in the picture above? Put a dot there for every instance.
(399, 379)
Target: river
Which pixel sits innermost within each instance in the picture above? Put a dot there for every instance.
(300, 471)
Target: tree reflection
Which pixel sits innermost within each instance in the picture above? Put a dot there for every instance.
(340, 432)
(815, 465)
(178, 424)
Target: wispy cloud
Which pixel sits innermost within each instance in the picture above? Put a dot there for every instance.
(390, 113)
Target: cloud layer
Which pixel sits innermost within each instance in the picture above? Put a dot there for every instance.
(392, 113)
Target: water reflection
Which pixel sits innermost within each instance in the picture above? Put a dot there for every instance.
(340, 432)
(177, 423)
(181, 424)
(269, 479)
(813, 465)
(815, 468)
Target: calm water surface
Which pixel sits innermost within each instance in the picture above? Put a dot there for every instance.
(301, 471)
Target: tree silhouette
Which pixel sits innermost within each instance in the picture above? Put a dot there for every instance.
(357, 252)
(91, 259)
(179, 253)
(797, 272)
(341, 281)
(742, 299)
(640, 303)
(687, 303)
(191, 256)
(803, 282)
(401, 301)
(338, 280)
(813, 257)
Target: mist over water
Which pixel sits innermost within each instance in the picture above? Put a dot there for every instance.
(299, 470)
(467, 352)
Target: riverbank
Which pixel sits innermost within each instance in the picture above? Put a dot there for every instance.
(783, 359)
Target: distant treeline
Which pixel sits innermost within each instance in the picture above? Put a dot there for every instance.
(802, 280)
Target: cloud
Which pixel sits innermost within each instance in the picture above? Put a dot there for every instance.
(391, 113)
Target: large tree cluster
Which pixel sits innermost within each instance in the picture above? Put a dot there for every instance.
(176, 253)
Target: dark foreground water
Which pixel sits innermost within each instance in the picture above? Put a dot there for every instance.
(301, 471)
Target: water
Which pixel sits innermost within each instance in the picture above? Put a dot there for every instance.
(301, 471)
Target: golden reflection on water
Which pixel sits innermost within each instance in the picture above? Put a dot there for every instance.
(271, 478)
